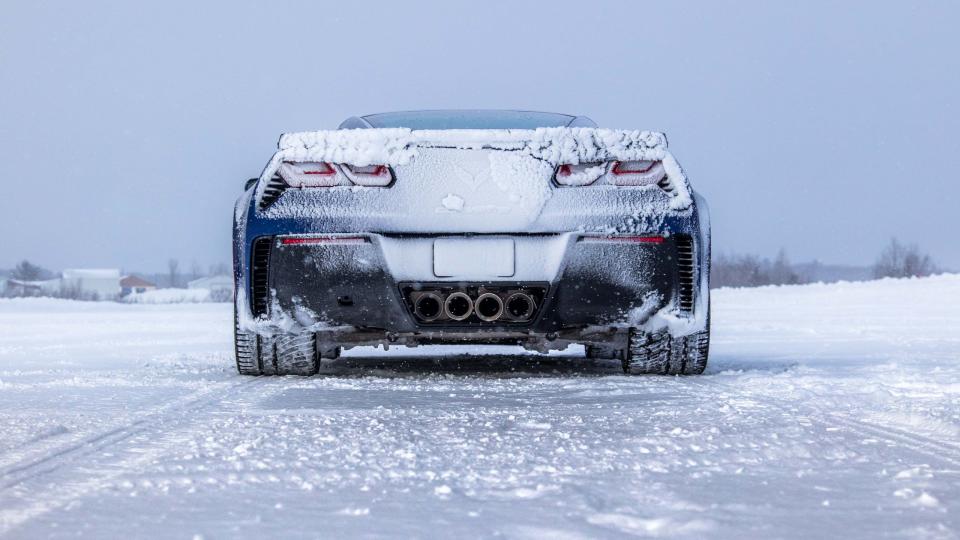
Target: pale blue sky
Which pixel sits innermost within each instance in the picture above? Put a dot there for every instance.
(127, 129)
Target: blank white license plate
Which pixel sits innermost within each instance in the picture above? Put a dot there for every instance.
(473, 258)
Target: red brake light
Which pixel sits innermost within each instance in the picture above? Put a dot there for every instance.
(369, 175)
(321, 168)
(310, 174)
(581, 174)
(373, 170)
(632, 167)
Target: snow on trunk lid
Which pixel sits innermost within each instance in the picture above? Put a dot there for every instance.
(461, 187)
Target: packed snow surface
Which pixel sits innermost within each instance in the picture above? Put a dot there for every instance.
(169, 296)
(826, 411)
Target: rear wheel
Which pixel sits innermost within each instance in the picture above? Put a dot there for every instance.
(247, 346)
(661, 354)
(293, 353)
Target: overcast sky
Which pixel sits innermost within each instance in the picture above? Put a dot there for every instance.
(128, 129)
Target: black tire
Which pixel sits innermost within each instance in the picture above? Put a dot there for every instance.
(281, 354)
(247, 346)
(296, 354)
(660, 354)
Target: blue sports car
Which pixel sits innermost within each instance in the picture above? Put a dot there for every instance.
(472, 227)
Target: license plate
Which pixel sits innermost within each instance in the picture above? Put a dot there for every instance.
(473, 258)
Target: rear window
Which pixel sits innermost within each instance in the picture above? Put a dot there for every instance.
(468, 120)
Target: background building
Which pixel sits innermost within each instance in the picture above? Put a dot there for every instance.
(96, 283)
(135, 284)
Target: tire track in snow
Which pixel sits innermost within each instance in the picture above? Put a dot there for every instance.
(920, 444)
(931, 448)
(58, 494)
(31, 467)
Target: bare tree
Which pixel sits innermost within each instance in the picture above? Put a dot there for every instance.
(27, 271)
(173, 272)
(737, 271)
(782, 273)
(899, 260)
(752, 271)
(195, 270)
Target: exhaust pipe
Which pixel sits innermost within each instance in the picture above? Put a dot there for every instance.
(520, 306)
(489, 307)
(458, 306)
(428, 306)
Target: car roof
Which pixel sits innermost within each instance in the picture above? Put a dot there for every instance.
(467, 119)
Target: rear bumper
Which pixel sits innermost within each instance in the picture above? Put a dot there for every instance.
(354, 287)
(354, 292)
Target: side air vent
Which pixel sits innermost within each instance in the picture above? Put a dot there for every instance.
(272, 191)
(685, 273)
(666, 185)
(260, 274)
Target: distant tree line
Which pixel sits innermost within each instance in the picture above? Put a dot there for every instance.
(752, 271)
(903, 260)
(175, 277)
(896, 260)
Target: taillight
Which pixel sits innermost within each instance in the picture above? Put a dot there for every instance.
(636, 173)
(632, 167)
(582, 174)
(617, 173)
(322, 174)
(310, 174)
(369, 175)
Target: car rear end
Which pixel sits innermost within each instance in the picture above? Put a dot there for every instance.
(473, 238)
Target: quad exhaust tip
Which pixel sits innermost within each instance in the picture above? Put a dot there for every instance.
(489, 307)
(458, 306)
(428, 307)
(520, 306)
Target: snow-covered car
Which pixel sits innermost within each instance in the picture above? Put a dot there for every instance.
(472, 227)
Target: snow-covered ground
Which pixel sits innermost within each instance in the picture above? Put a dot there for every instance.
(827, 411)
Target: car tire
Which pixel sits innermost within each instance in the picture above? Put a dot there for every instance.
(280, 354)
(295, 353)
(247, 347)
(661, 354)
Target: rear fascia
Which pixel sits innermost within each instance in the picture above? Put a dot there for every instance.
(621, 214)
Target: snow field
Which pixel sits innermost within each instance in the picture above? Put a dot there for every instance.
(827, 410)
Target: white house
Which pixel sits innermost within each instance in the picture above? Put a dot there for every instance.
(19, 287)
(223, 283)
(103, 283)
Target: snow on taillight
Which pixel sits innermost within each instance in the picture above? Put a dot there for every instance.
(581, 174)
(310, 174)
(369, 175)
(636, 173)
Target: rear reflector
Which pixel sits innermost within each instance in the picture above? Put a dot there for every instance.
(648, 239)
(310, 240)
